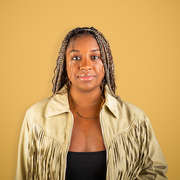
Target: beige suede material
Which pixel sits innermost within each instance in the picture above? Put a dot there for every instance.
(132, 148)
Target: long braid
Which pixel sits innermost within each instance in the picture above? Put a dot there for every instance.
(60, 73)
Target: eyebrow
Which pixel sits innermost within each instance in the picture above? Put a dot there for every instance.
(95, 50)
(73, 50)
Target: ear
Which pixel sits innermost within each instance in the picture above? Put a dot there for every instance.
(103, 71)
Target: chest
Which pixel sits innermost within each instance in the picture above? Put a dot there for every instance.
(86, 135)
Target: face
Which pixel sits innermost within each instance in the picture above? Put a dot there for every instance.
(83, 63)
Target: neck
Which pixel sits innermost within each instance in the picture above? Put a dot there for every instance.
(85, 97)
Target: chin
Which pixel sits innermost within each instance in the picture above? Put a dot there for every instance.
(88, 87)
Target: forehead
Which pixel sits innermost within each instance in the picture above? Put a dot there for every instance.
(83, 41)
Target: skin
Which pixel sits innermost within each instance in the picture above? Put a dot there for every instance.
(85, 71)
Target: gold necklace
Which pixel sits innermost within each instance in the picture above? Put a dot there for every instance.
(79, 114)
(83, 104)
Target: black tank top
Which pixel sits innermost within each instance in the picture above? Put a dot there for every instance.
(86, 165)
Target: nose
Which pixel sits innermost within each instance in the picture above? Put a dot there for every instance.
(86, 64)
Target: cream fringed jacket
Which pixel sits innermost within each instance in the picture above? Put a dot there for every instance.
(133, 152)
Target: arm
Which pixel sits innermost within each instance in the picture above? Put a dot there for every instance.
(156, 161)
(21, 170)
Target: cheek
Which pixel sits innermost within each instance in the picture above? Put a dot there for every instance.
(71, 69)
(101, 71)
(68, 69)
(68, 72)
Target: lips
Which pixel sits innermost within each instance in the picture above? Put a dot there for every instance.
(86, 77)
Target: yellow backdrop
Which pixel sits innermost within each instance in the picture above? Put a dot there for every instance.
(145, 41)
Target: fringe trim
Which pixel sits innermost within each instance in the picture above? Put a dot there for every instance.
(45, 156)
(128, 152)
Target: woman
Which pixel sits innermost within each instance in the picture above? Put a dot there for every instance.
(85, 131)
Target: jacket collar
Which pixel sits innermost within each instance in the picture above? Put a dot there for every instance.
(111, 102)
(59, 104)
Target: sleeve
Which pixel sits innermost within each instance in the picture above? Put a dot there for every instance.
(21, 171)
(155, 166)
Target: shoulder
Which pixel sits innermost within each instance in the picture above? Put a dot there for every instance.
(38, 109)
(128, 114)
(132, 110)
(122, 110)
(49, 107)
(121, 118)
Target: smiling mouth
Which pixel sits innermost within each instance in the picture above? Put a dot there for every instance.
(86, 77)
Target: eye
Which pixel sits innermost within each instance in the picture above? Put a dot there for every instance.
(76, 58)
(95, 57)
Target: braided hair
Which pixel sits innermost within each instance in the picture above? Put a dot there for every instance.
(60, 74)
